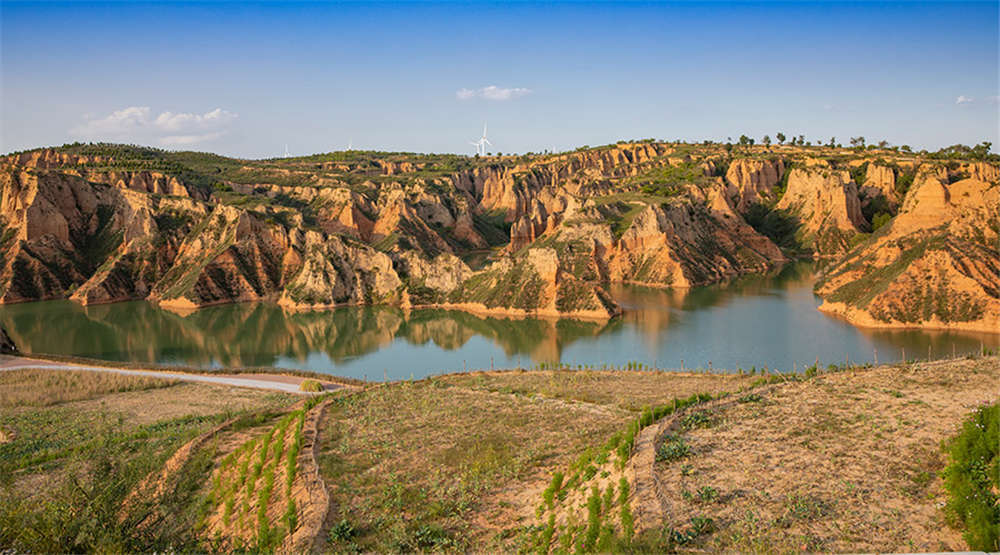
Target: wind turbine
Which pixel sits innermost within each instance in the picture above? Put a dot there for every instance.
(286, 151)
(481, 143)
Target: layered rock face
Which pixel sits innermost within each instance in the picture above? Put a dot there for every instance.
(752, 181)
(936, 265)
(684, 245)
(880, 181)
(827, 205)
(104, 223)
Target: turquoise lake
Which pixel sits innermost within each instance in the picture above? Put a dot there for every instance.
(757, 321)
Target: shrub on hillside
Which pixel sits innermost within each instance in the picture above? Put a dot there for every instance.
(973, 478)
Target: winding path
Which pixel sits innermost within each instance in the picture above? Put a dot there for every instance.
(274, 382)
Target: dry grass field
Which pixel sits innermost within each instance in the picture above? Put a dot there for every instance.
(625, 389)
(843, 462)
(41, 388)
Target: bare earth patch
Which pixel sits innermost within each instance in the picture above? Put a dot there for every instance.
(843, 462)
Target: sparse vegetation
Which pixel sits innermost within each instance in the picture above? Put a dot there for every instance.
(42, 388)
(71, 461)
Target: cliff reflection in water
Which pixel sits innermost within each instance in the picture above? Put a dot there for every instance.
(765, 320)
(260, 334)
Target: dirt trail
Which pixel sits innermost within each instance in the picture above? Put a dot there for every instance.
(275, 382)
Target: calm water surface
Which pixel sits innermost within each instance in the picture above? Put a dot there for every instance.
(754, 321)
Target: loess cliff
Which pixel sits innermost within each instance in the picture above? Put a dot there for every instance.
(532, 235)
(935, 265)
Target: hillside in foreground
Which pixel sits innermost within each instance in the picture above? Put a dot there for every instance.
(508, 235)
(545, 461)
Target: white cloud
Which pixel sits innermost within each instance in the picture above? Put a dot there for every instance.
(964, 99)
(178, 140)
(137, 124)
(492, 92)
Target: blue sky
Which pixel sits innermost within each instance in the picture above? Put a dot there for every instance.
(245, 80)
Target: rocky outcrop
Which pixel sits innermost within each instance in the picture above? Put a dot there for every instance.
(880, 181)
(532, 284)
(688, 244)
(48, 158)
(936, 265)
(983, 171)
(329, 273)
(61, 229)
(751, 181)
(827, 205)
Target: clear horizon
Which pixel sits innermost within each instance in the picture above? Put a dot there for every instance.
(245, 80)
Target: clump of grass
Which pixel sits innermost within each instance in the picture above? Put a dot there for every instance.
(700, 526)
(674, 448)
(311, 386)
(750, 398)
(973, 478)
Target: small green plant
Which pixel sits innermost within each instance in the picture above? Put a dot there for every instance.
(687, 470)
(548, 496)
(708, 494)
(291, 517)
(547, 534)
(702, 525)
(674, 448)
(697, 419)
(342, 531)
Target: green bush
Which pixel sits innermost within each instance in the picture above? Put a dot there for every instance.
(777, 225)
(880, 220)
(973, 477)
